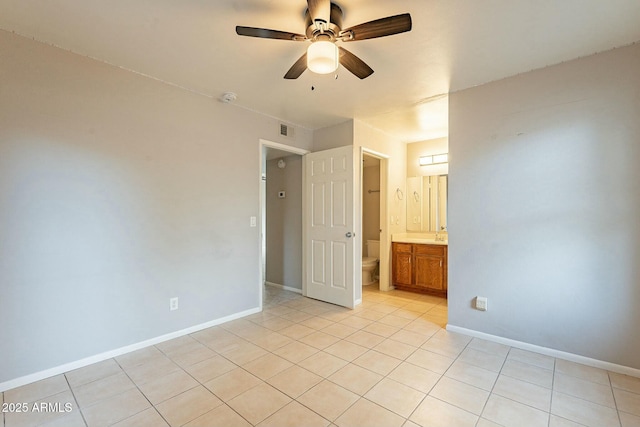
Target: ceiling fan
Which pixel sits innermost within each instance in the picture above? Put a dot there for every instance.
(323, 30)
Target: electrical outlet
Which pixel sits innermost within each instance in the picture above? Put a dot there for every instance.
(481, 303)
(173, 303)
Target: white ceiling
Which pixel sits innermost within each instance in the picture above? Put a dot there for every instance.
(454, 44)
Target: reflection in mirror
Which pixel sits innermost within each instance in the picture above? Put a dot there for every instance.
(427, 203)
(414, 203)
(441, 201)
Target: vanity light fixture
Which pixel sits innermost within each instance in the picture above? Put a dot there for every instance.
(434, 159)
(426, 160)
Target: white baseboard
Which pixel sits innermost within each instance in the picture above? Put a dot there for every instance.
(548, 351)
(27, 379)
(286, 288)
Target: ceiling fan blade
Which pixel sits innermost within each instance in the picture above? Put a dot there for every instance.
(379, 28)
(354, 64)
(268, 34)
(319, 9)
(298, 68)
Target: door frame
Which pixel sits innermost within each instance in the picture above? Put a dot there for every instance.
(385, 235)
(384, 280)
(263, 145)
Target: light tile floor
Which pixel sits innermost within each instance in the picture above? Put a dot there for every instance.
(306, 363)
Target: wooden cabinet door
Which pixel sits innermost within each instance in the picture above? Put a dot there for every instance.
(402, 272)
(420, 267)
(429, 272)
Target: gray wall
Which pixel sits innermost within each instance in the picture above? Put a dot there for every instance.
(333, 136)
(370, 205)
(284, 223)
(544, 200)
(118, 192)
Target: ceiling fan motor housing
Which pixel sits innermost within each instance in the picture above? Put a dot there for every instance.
(330, 30)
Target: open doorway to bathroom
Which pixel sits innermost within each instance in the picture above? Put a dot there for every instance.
(374, 220)
(371, 226)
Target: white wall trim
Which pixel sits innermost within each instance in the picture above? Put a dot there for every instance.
(286, 288)
(288, 148)
(548, 351)
(374, 153)
(27, 379)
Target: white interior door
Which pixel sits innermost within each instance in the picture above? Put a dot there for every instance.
(328, 236)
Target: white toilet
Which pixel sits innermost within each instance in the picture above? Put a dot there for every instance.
(370, 262)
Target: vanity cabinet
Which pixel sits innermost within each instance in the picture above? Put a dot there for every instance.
(402, 264)
(420, 267)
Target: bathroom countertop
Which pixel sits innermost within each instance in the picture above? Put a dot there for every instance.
(427, 239)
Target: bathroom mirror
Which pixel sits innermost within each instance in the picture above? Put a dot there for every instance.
(427, 203)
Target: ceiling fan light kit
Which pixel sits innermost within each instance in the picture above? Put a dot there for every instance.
(324, 31)
(322, 57)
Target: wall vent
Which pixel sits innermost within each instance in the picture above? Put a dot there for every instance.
(286, 130)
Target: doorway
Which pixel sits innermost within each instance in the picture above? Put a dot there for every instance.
(280, 216)
(269, 151)
(374, 211)
(371, 226)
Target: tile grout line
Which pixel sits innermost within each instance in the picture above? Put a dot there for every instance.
(445, 373)
(401, 361)
(75, 398)
(265, 381)
(499, 373)
(553, 386)
(494, 385)
(360, 396)
(553, 391)
(332, 422)
(192, 377)
(220, 397)
(140, 391)
(413, 352)
(441, 375)
(428, 394)
(615, 401)
(525, 404)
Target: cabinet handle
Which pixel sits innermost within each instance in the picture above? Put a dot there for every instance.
(440, 263)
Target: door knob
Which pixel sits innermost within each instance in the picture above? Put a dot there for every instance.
(349, 234)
